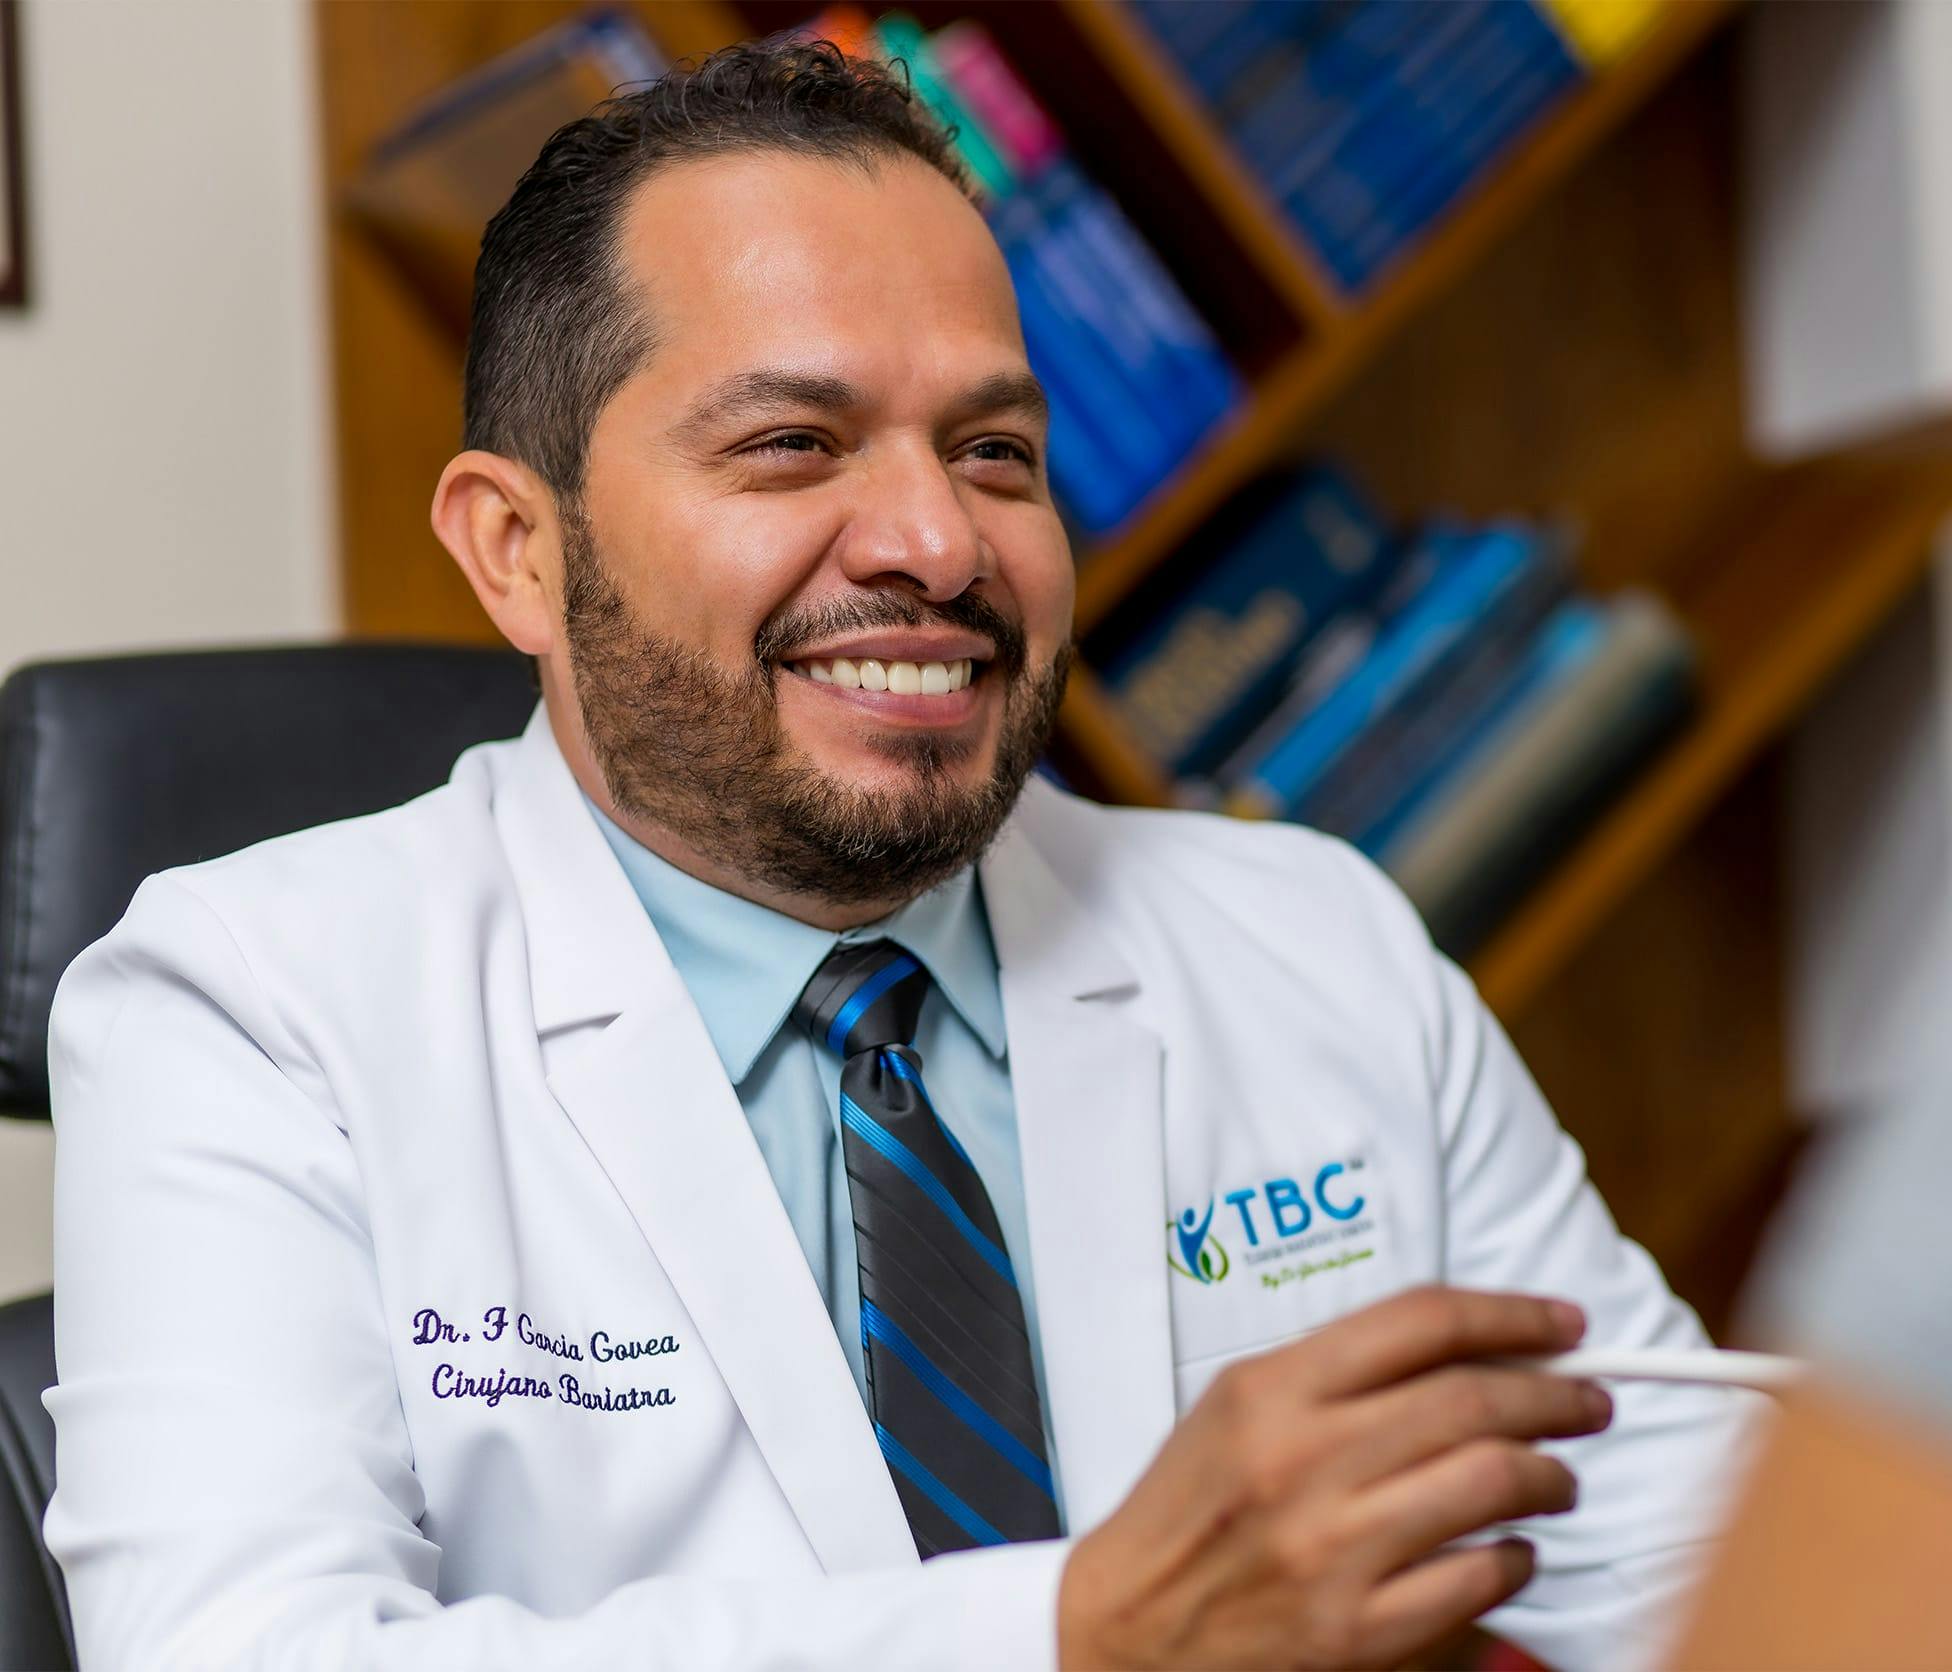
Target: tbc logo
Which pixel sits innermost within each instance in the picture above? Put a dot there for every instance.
(1198, 1247)
(1286, 1209)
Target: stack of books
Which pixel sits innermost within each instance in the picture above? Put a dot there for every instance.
(1136, 378)
(1447, 698)
(1366, 119)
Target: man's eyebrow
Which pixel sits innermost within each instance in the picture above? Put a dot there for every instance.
(1018, 392)
(768, 386)
(751, 392)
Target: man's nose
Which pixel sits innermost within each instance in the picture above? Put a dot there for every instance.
(910, 520)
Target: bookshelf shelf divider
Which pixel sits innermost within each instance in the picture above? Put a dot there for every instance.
(1348, 336)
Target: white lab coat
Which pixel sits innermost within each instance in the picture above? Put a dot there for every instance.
(332, 1109)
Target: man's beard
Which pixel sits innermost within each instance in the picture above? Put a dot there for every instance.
(698, 753)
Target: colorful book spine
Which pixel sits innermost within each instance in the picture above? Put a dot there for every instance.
(1334, 651)
(1197, 675)
(1568, 637)
(1094, 486)
(1601, 31)
(1064, 334)
(1365, 119)
(899, 36)
(1494, 563)
(985, 81)
(1407, 741)
(1488, 94)
(1171, 360)
(1345, 184)
(1299, 124)
(1535, 783)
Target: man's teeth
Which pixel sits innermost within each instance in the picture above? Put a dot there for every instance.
(905, 679)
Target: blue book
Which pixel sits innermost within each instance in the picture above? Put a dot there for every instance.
(1330, 187)
(1067, 354)
(1416, 137)
(1171, 362)
(1193, 679)
(1339, 78)
(1570, 638)
(1335, 650)
(1514, 76)
(1136, 412)
(1095, 488)
(1532, 784)
(1186, 29)
(1351, 182)
(1424, 721)
(1177, 361)
(1254, 30)
(1492, 564)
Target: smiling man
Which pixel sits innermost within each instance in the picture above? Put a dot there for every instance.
(744, 1175)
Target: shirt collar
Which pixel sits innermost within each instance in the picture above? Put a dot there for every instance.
(745, 964)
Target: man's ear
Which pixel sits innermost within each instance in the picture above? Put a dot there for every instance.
(497, 519)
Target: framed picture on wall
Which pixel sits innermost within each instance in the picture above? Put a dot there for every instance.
(13, 219)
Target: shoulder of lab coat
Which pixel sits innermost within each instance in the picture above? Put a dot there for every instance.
(1517, 1208)
(214, 1275)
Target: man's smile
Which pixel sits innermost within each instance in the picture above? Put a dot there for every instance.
(936, 694)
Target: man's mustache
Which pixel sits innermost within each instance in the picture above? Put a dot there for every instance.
(785, 631)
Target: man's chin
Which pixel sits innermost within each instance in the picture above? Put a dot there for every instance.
(878, 763)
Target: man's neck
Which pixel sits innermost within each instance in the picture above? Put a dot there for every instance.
(674, 850)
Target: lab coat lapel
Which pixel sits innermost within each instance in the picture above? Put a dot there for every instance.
(652, 1101)
(1087, 1079)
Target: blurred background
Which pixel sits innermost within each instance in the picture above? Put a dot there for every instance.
(1508, 433)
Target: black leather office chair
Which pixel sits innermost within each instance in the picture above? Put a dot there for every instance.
(113, 768)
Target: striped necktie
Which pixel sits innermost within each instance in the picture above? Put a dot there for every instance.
(950, 1384)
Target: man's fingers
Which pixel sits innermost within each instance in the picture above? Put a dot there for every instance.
(1428, 1602)
(1402, 1519)
(1421, 1330)
(1416, 1420)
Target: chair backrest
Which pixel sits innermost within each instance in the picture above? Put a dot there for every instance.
(34, 1628)
(116, 767)
(119, 766)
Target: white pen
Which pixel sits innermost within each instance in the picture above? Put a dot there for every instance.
(1764, 1371)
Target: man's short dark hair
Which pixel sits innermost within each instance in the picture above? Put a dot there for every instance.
(556, 328)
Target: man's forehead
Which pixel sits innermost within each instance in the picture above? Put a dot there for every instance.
(771, 241)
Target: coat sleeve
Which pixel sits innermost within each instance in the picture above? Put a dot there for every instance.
(1520, 1214)
(235, 1481)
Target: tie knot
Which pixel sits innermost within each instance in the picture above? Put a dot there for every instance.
(863, 997)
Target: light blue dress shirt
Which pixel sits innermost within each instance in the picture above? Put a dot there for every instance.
(745, 964)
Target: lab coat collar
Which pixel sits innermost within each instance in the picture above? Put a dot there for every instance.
(1087, 1075)
(589, 941)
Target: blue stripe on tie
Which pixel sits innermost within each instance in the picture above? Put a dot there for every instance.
(876, 1323)
(939, 1495)
(872, 1133)
(902, 1069)
(864, 995)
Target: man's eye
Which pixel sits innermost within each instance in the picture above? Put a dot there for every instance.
(797, 442)
(1010, 451)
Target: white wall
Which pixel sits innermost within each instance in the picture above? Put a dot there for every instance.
(164, 423)
(1870, 872)
(1847, 304)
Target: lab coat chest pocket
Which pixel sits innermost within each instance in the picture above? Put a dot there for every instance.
(1264, 1261)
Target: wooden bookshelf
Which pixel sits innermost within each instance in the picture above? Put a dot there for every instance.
(1793, 581)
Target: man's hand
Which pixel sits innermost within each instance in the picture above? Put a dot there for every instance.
(1291, 1520)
